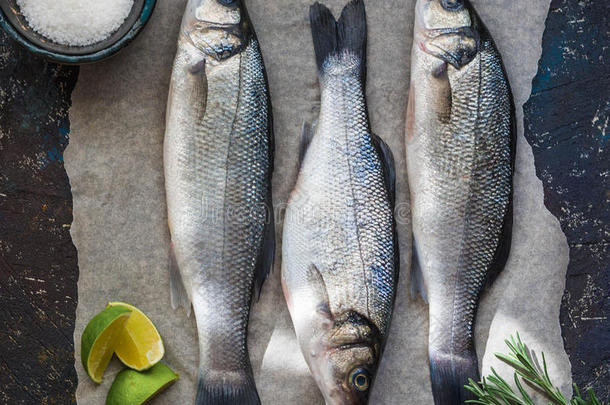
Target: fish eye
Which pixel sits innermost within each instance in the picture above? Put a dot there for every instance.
(452, 5)
(360, 379)
(228, 2)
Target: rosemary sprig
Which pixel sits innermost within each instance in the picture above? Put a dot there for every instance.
(494, 390)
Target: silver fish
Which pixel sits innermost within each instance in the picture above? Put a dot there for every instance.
(218, 165)
(340, 252)
(460, 157)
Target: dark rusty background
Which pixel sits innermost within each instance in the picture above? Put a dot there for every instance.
(38, 266)
(566, 124)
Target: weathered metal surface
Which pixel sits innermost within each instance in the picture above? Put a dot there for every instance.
(566, 121)
(38, 267)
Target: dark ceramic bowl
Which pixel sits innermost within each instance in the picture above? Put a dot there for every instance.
(16, 26)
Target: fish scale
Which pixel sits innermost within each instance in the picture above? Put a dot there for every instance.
(218, 164)
(339, 268)
(350, 238)
(345, 142)
(460, 158)
(480, 157)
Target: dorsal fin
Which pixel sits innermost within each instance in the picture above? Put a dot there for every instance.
(178, 294)
(503, 249)
(307, 131)
(418, 287)
(264, 264)
(389, 168)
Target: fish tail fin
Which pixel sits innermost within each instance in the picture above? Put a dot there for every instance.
(235, 388)
(352, 31)
(449, 374)
(323, 32)
(334, 38)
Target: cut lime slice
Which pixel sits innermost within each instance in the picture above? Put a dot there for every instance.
(100, 338)
(140, 346)
(132, 387)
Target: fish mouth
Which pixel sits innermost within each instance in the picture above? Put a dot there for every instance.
(212, 25)
(333, 348)
(207, 26)
(435, 32)
(220, 41)
(456, 46)
(350, 331)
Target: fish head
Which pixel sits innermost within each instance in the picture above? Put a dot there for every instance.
(447, 30)
(344, 359)
(341, 349)
(218, 28)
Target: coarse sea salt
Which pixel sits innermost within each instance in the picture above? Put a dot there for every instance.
(75, 22)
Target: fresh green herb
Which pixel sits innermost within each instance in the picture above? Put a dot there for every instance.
(494, 390)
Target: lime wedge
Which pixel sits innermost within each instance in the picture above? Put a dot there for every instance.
(140, 346)
(132, 387)
(100, 338)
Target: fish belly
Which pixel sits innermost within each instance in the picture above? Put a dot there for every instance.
(218, 164)
(339, 217)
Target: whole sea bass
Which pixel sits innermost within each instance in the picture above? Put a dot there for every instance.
(218, 165)
(460, 157)
(340, 251)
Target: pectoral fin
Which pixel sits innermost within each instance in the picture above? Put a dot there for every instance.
(198, 67)
(318, 293)
(418, 287)
(179, 296)
(389, 168)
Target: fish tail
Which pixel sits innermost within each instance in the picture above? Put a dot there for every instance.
(226, 388)
(449, 374)
(335, 38)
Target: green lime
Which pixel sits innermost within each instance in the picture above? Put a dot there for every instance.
(131, 387)
(100, 338)
(140, 346)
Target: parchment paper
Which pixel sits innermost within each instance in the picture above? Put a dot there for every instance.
(115, 166)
